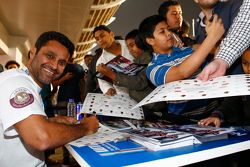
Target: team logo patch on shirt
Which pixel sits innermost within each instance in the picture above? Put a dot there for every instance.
(21, 97)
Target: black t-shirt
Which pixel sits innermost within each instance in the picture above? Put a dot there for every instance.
(70, 89)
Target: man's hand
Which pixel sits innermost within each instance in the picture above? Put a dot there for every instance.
(91, 124)
(108, 72)
(212, 120)
(102, 68)
(177, 41)
(215, 29)
(111, 92)
(68, 75)
(214, 69)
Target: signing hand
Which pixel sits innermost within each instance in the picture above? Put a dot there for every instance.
(90, 123)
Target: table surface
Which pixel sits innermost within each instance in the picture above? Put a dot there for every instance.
(85, 156)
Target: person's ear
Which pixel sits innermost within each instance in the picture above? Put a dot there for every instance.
(196, 1)
(112, 34)
(32, 52)
(150, 41)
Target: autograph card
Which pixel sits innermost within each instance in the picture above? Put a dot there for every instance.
(103, 135)
(118, 106)
(191, 89)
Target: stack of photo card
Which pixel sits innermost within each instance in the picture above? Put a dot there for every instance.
(174, 136)
(204, 133)
(161, 139)
(119, 105)
(191, 89)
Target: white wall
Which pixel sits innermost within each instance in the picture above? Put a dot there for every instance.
(13, 54)
(10, 46)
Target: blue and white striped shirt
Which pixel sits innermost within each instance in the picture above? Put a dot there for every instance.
(157, 71)
(161, 63)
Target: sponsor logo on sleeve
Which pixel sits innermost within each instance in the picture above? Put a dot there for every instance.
(21, 97)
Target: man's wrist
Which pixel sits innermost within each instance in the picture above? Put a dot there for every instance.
(222, 62)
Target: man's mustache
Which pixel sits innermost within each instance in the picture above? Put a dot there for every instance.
(55, 71)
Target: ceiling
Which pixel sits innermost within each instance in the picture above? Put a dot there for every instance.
(27, 19)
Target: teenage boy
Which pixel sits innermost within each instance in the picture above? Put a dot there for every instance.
(171, 64)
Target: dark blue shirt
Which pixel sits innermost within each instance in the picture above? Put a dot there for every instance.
(226, 10)
(161, 63)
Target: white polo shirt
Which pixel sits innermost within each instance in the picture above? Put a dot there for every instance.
(19, 99)
(106, 57)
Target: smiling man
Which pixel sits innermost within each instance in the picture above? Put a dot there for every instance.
(25, 131)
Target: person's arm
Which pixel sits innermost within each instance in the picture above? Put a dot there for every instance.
(91, 83)
(82, 87)
(237, 39)
(63, 119)
(42, 134)
(232, 46)
(106, 87)
(108, 72)
(211, 120)
(62, 79)
(230, 111)
(132, 82)
(214, 51)
(139, 81)
(217, 67)
(190, 65)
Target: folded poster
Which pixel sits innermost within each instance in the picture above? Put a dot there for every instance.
(192, 89)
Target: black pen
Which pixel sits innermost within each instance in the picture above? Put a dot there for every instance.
(194, 120)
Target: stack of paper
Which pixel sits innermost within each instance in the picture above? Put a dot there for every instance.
(174, 136)
(159, 139)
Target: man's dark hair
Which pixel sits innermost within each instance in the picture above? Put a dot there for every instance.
(185, 27)
(147, 28)
(163, 9)
(11, 62)
(101, 27)
(118, 37)
(132, 34)
(1, 68)
(98, 51)
(87, 55)
(57, 36)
